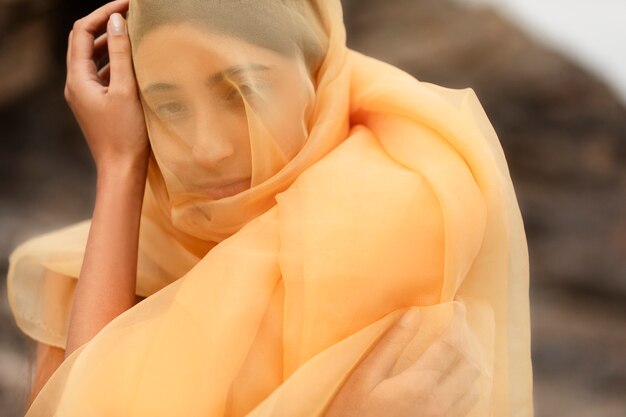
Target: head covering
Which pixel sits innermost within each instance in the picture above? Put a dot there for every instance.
(261, 303)
(293, 44)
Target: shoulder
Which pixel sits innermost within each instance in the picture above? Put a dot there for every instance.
(359, 176)
(359, 219)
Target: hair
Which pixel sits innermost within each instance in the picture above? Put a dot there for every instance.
(287, 27)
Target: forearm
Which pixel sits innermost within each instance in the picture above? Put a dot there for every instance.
(107, 281)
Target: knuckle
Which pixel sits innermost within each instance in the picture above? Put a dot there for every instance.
(447, 350)
(474, 373)
(69, 99)
(67, 92)
(78, 24)
(122, 92)
(119, 50)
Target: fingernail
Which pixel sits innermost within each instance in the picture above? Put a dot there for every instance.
(409, 318)
(117, 24)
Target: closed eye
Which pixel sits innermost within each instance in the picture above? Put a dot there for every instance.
(170, 110)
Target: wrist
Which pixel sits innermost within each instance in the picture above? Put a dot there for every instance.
(131, 167)
(122, 180)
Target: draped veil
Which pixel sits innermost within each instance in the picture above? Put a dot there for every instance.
(261, 303)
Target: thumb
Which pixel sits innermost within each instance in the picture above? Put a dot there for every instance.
(122, 77)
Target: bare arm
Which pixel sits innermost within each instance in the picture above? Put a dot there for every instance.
(106, 286)
(107, 107)
(48, 358)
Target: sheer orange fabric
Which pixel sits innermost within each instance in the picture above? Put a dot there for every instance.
(361, 192)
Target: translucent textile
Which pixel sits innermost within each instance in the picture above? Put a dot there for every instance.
(300, 196)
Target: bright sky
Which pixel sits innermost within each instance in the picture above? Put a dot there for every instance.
(593, 32)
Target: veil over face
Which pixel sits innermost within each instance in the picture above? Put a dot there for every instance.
(229, 90)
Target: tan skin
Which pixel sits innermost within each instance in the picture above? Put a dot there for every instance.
(199, 129)
(107, 106)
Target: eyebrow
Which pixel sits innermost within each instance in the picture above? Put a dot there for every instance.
(212, 80)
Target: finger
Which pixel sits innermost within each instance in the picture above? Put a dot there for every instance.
(464, 405)
(89, 27)
(436, 360)
(105, 74)
(380, 361)
(85, 32)
(459, 375)
(100, 48)
(122, 75)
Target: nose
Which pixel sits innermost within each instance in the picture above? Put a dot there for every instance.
(212, 143)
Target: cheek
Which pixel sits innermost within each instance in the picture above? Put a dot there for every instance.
(204, 126)
(167, 146)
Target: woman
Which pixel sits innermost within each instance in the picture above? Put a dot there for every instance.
(300, 197)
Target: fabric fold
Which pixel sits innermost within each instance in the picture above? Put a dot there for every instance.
(261, 304)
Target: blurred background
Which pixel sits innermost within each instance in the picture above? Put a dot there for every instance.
(552, 78)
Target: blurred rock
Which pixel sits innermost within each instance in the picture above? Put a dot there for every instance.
(562, 130)
(25, 47)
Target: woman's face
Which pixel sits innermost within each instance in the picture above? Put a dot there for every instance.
(204, 94)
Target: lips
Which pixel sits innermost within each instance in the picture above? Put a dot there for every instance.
(226, 188)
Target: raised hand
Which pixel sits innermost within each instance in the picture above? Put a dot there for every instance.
(105, 101)
(108, 109)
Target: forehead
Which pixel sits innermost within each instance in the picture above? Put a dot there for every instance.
(180, 51)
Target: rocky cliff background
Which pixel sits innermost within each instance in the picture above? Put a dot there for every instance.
(563, 132)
